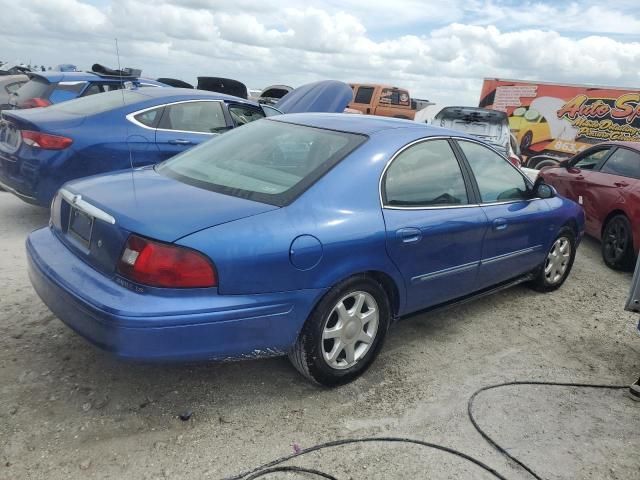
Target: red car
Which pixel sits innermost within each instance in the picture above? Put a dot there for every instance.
(605, 180)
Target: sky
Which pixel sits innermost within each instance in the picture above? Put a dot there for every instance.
(438, 49)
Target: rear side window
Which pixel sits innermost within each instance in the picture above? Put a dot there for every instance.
(63, 92)
(498, 180)
(242, 114)
(425, 175)
(198, 117)
(623, 162)
(394, 96)
(363, 95)
(149, 118)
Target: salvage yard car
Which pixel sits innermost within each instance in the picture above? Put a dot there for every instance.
(40, 149)
(605, 180)
(48, 88)
(306, 234)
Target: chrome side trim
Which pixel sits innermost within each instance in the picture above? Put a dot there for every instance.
(131, 116)
(76, 201)
(509, 255)
(447, 271)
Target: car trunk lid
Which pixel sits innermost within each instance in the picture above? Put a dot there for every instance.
(94, 216)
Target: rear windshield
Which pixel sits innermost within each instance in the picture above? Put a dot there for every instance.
(35, 88)
(99, 103)
(266, 161)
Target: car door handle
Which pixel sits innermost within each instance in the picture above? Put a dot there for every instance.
(621, 184)
(180, 141)
(500, 224)
(409, 235)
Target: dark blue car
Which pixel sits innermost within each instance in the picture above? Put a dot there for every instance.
(306, 235)
(42, 148)
(48, 88)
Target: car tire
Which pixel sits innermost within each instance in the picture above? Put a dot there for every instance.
(330, 349)
(617, 244)
(557, 262)
(545, 162)
(525, 143)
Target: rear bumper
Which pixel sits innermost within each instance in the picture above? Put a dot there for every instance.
(167, 325)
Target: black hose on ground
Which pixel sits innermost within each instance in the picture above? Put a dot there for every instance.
(275, 465)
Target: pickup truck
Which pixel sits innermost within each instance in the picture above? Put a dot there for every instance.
(384, 100)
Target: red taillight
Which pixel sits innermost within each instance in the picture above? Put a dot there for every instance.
(161, 265)
(35, 103)
(45, 141)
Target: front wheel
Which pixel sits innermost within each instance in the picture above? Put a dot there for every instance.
(344, 333)
(617, 244)
(557, 264)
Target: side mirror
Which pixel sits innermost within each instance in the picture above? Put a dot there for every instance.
(542, 190)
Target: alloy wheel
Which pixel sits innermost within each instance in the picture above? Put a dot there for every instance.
(557, 261)
(350, 330)
(615, 240)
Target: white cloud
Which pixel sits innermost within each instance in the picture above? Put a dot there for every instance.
(443, 56)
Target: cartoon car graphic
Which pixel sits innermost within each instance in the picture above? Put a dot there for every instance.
(529, 126)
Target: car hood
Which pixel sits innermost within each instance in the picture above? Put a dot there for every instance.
(148, 203)
(328, 96)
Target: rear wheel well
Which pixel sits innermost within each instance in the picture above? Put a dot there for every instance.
(389, 286)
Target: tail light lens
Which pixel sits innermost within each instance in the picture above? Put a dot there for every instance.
(35, 103)
(162, 265)
(45, 141)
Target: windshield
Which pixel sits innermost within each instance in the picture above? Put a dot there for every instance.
(266, 161)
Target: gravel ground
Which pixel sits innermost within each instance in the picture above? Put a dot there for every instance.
(68, 410)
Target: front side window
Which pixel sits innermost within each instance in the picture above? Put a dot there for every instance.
(425, 175)
(198, 117)
(242, 115)
(623, 162)
(364, 95)
(591, 160)
(497, 179)
(266, 161)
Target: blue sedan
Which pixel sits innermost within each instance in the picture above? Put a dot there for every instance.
(306, 235)
(41, 149)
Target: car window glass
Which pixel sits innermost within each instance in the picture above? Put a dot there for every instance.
(623, 162)
(591, 160)
(270, 111)
(12, 87)
(497, 179)
(200, 117)
(242, 114)
(150, 117)
(426, 174)
(363, 95)
(93, 89)
(266, 161)
(66, 91)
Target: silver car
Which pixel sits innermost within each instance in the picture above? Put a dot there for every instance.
(8, 85)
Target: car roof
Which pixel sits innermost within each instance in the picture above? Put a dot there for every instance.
(363, 124)
(632, 145)
(54, 77)
(175, 94)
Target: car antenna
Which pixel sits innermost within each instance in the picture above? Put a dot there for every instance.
(123, 104)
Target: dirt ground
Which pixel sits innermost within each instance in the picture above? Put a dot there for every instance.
(68, 410)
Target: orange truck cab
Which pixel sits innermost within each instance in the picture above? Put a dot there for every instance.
(384, 100)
